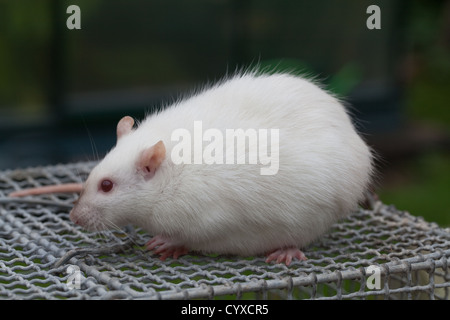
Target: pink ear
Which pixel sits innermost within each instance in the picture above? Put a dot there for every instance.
(124, 126)
(150, 159)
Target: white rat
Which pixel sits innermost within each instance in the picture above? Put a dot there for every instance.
(320, 173)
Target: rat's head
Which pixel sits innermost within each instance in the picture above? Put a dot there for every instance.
(112, 191)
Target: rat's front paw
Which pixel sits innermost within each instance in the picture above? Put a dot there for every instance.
(165, 247)
(285, 255)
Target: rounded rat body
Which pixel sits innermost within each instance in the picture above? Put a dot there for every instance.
(319, 170)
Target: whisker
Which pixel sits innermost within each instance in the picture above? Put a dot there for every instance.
(92, 142)
(113, 226)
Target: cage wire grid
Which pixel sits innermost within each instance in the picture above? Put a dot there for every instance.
(382, 253)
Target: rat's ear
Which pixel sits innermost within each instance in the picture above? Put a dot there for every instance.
(124, 126)
(150, 159)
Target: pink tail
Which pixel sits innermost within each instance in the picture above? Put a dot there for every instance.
(59, 188)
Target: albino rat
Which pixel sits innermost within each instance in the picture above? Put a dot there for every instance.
(200, 198)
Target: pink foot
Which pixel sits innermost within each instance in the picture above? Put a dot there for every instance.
(285, 255)
(165, 247)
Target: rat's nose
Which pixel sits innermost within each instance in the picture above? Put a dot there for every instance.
(77, 216)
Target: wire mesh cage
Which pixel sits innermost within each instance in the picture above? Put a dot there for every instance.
(382, 253)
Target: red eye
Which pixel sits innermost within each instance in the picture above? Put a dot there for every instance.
(106, 185)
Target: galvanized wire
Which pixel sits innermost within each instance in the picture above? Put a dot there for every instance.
(45, 256)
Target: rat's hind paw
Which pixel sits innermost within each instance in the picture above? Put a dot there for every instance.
(285, 255)
(165, 247)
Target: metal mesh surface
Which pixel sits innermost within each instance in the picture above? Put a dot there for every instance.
(379, 253)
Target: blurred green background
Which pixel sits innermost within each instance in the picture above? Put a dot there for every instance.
(62, 91)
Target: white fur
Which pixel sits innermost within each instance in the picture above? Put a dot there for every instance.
(324, 170)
